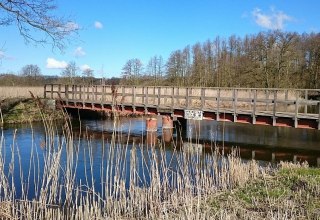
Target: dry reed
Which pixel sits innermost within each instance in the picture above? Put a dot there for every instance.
(20, 91)
(159, 187)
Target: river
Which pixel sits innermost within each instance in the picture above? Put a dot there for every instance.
(26, 147)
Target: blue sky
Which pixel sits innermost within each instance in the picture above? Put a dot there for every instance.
(114, 31)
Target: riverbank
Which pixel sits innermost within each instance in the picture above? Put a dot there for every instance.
(25, 110)
(289, 192)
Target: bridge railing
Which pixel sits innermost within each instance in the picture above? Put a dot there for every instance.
(297, 102)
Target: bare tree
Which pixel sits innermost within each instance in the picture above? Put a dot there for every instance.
(155, 69)
(31, 70)
(132, 71)
(87, 75)
(70, 72)
(32, 73)
(36, 15)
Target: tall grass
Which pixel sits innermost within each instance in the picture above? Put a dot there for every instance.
(153, 186)
(20, 91)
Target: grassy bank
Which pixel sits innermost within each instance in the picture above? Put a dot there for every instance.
(24, 110)
(288, 192)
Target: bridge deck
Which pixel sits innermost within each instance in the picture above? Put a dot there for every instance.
(278, 107)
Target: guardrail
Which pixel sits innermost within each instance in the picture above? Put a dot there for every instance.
(293, 103)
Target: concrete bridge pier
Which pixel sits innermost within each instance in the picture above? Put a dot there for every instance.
(167, 128)
(151, 128)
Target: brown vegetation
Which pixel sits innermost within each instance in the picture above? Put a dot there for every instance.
(20, 91)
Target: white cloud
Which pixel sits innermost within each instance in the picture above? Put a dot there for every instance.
(79, 52)
(85, 67)
(275, 20)
(98, 25)
(56, 64)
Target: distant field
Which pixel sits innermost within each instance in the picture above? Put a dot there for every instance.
(20, 91)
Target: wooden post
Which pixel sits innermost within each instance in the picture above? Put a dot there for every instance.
(267, 98)
(133, 96)
(103, 96)
(286, 100)
(96, 93)
(172, 97)
(306, 100)
(51, 91)
(202, 98)
(187, 97)
(218, 105)
(143, 95)
(165, 97)
(296, 110)
(73, 86)
(59, 90)
(123, 94)
(235, 103)
(274, 120)
(45, 91)
(159, 96)
(80, 92)
(254, 106)
(66, 91)
(319, 115)
(83, 95)
(147, 96)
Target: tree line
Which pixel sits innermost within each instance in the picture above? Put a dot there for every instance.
(273, 59)
(30, 75)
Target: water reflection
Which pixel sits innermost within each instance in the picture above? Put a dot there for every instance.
(92, 149)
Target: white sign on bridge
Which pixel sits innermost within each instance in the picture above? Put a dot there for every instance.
(193, 114)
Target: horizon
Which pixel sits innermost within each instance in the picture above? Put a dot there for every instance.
(114, 32)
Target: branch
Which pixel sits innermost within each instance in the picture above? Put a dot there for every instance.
(35, 16)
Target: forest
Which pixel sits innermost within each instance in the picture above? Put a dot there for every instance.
(271, 59)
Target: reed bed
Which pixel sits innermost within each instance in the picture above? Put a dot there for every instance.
(20, 91)
(154, 186)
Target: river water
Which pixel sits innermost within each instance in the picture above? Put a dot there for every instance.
(25, 147)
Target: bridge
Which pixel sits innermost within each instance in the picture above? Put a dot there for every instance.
(297, 108)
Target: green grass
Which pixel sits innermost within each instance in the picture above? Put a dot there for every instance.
(27, 110)
(288, 191)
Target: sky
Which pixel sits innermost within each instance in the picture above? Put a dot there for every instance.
(113, 31)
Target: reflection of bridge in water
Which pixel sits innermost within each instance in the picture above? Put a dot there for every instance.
(277, 107)
(205, 146)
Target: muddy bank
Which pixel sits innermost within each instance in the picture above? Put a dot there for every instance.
(24, 110)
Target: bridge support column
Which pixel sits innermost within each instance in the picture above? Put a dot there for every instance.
(167, 128)
(151, 124)
(151, 128)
